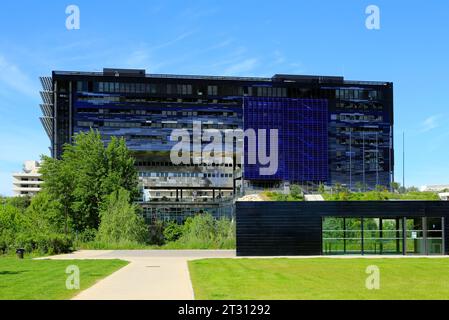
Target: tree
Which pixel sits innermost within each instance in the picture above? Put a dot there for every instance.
(295, 191)
(59, 182)
(120, 221)
(380, 188)
(359, 186)
(85, 175)
(45, 214)
(321, 188)
(412, 189)
(395, 186)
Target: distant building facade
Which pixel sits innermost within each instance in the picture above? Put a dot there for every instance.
(28, 182)
(331, 130)
(435, 188)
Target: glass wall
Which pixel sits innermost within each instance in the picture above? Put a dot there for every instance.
(423, 236)
(434, 228)
(415, 236)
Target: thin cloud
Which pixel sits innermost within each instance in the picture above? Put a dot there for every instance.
(430, 123)
(16, 79)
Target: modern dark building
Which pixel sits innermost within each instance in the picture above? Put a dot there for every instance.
(346, 227)
(331, 130)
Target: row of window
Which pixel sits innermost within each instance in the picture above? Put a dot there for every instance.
(357, 94)
(214, 90)
(179, 89)
(184, 175)
(170, 164)
(358, 117)
(157, 112)
(173, 125)
(359, 106)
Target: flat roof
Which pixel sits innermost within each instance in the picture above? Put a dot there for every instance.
(141, 73)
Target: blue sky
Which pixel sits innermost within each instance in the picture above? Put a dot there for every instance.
(242, 38)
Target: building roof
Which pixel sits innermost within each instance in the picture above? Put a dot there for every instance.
(141, 73)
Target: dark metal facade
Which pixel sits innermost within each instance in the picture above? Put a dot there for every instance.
(295, 228)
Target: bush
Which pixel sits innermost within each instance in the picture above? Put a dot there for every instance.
(156, 233)
(54, 244)
(172, 231)
(87, 235)
(205, 232)
(44, 243)
(5, 242)
(120, 221)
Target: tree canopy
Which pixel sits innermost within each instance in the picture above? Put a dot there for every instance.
(86, 174)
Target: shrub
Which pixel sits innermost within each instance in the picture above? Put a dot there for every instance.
(205, 232)
(87, 235)
(156, 233)
(172, 231)
(54, 244)
(119, 220)
(44, 243)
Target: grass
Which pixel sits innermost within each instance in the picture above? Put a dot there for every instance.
(319, 279)
(277, 196)
(380, 195)
(29, 279)
(173, 245)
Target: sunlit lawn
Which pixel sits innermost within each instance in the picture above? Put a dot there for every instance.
(46, 279)
(319, 278)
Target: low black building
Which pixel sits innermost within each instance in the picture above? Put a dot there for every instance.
(342, 227)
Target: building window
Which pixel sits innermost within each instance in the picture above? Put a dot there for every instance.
(212, 90)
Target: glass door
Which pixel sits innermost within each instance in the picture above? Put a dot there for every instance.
(415, 241)
(434, 235)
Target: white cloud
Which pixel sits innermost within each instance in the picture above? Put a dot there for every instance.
(16, 79)
(430, 123)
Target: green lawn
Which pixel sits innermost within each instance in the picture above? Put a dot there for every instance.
(46, 279)
(319, 278)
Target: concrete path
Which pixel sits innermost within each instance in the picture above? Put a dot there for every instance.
(150, 275)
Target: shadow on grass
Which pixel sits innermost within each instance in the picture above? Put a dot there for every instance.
(5, 273)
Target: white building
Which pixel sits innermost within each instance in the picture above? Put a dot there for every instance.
(444, 196)
(29, 181)
(435, 188)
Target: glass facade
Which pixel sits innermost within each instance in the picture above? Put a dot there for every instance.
(411, 236)
(302, 135)
(330, 130)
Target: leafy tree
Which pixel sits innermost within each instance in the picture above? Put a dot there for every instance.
(120, 221)
(321, 188)
(359, 186)
(59, 182)
(295, 191)
(21, 202)
(86, 174)
(395, 186)
(412, 189)
(45, 214)
(380, 188)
